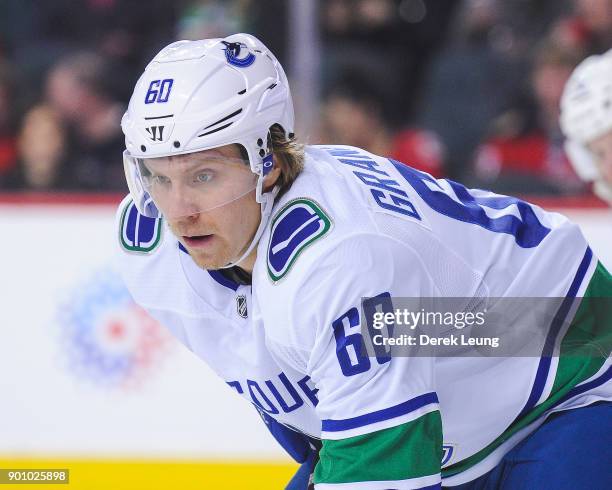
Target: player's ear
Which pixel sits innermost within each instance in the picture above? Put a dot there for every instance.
(272, 177)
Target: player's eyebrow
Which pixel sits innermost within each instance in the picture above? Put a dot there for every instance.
(184, 166)
(215, 155)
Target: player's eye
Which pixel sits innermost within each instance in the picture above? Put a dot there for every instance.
(203, 177)
(159, 180)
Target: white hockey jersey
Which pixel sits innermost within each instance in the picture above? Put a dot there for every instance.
(356, 225)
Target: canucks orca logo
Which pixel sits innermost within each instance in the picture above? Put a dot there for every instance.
(137, 233)
(296, 226)
(232, 54)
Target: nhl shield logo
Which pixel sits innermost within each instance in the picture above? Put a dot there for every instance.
(241, 305)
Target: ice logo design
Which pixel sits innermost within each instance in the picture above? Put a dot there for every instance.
(105, 338)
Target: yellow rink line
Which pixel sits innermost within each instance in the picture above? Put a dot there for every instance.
(140, 474)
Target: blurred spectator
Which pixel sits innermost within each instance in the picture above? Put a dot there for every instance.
(524, 153)
(42, 152)
(353, 115)
(389, 41)
(77, 90)
(205, 19)
(126, 32)
(524, 23)
(391, 44)
(269, 21)
(8, 146)
(589, 30)
(468, 83)
(420, 149)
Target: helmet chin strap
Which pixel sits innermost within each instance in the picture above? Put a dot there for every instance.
(266, 199)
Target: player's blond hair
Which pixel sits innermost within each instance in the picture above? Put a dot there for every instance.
(289, 154)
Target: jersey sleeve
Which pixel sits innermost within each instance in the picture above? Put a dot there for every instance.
(380, 423)
(138, 255)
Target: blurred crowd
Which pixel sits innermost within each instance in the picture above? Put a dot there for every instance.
(466, 89)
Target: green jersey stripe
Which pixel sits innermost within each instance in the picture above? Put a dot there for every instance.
(587, 343)
(583, 351)
(410, 450)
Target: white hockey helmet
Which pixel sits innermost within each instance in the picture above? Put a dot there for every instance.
(199, 95)
(586, 114)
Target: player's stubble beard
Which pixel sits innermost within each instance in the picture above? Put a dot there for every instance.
(233, 226)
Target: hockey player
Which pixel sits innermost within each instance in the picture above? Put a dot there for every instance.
(586, 120)
(256, 253)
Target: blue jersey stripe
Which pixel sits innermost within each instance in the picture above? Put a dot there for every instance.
(545, 359)
(604, 378)
(216, 275)
(224, 281)
(331, 425)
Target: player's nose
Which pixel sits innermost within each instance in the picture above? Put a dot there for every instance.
(179, 203)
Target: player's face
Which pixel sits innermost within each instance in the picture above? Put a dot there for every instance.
(602, 149)
(191, 191)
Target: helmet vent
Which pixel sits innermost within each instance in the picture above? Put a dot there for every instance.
(158, 117)
(215, 130)
(219, 122)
